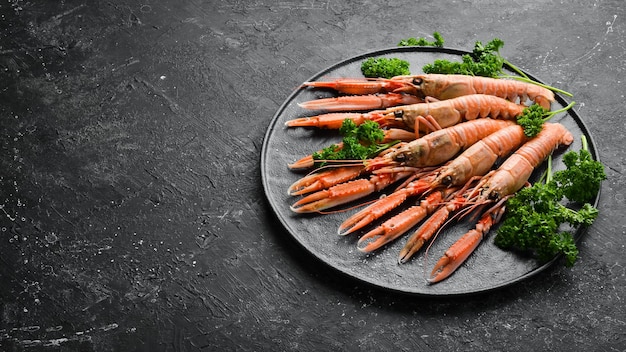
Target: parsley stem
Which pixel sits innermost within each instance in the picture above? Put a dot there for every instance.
(528, 80)
(550, 114)
(584, 140)
(516, 70)
(549, 170)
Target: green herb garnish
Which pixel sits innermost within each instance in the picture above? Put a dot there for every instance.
(581, 180)
(535, 214)
(466, 67)
(534, 116)
(438, 42)
(359, 142)
(486, 61)
(384, 67)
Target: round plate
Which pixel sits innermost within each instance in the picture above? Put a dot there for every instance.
(488, 268)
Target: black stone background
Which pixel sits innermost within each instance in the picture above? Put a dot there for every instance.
(132, 214)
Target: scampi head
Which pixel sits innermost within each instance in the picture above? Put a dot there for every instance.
(456, 173)
(442, 86)
(412, 85)
(400, 118)
(407, 85)
(410, 154)
(479, 196)
(499, 186)
(445, 178)
(425, 86)
(490, 194)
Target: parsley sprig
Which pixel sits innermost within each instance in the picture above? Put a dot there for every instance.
(390, 67)
(535, 215)
(384, 67)
(485, 60)
(359, 142)
(438, 42)
(581, 180)
(534, 116)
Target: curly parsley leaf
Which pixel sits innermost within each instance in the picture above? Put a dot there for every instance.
(467, 66)
(384, 67)
(438, 42)
(534, 116)
(532, 120)
(581, 180)
(485, 60)
(359, 142)
(535, 214)
(489, 55)
(492, 47)
(532, 224)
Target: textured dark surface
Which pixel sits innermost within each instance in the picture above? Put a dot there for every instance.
(132, 215)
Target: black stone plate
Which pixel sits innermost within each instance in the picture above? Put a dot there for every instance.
(488, 268)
